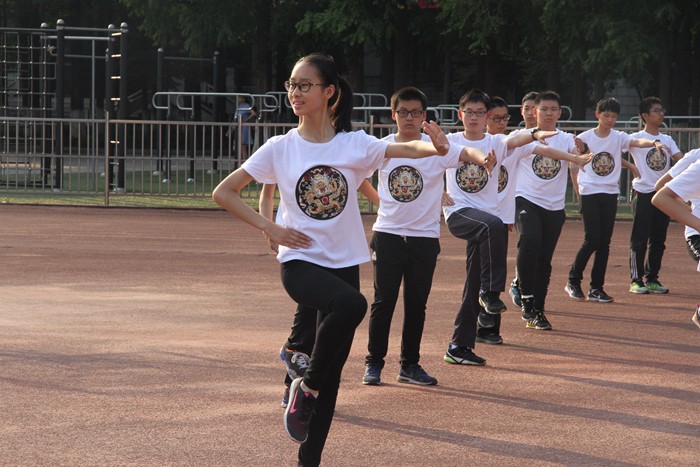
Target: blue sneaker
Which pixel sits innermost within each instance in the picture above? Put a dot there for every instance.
(373, 374)
(415, 374)
(514, 292)
(297, 416)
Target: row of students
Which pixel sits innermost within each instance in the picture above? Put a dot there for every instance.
(318, 235)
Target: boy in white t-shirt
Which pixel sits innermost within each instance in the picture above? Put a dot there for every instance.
(649, 225)
(405, 243)
(473, 217)
(527, 110)
(521, 160)
(599, 189)
(671, 199)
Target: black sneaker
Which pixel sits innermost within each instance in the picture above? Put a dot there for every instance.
(539, 322)
(575, 292)
(493, 339)
(491, 302)
(296, 362)
(514, 292)
(285, 397)
(599, 295)
(300, 409)
(462, 356)
(415, 374)
(528, 309)
(372, 375)
(486, 320)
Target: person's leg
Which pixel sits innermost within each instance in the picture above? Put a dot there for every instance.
(389, 263)
(490, 234)
(641, 230)
(552, 224)
(335, 293)
(608, 211)
(530, 225)
(418, 280)
(693, 243)
(465, 323)
(591, 237)
(657, 243)
(303, 333)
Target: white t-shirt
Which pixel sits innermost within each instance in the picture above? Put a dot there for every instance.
(650, 162)
(506, 184)
(318, 190)
(469, 184)
(602, 174)
(689, 159)
(410, 193)
(542, 180)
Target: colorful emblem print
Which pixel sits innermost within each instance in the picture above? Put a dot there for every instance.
(471, 178)
(502, 179)
(322, 192)
(603, 164)
(546, 168)
(656, 160)
(405, 184)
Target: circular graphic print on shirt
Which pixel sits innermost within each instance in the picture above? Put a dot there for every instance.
(656, 160)
(546, 168)
(405, 184)
(322, 192)
(603, 164)
(471, 178)
(502, 179)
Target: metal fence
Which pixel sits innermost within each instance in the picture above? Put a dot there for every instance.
(156, 158)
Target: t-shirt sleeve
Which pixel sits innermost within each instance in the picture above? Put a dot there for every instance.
(261, 165)
(625, 140)
(685, 162)
(686, 185)
(375, 149)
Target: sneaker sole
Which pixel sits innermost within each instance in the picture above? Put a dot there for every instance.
(486, 341)
(491, 312)
(404, 379)
(454, 361)
(639, 292)
(600, 301)
(371, 383)
(660, 292)
(539, 328)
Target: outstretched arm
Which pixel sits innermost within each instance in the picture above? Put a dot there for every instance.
(228, 195)
(521, 139)
(418, 149)
(669, 202)
(649, 143)
(553, 153)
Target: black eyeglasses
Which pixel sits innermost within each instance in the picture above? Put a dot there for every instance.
(471, 113)
(414, 113)
(304, 86)
(497, 119)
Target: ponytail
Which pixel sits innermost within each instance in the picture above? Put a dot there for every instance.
(341, 110)
(341, 103)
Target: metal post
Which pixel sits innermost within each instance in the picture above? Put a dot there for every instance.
(123, 111)
(109, 105)
(160, 114)
(60, 75)
(216, 134)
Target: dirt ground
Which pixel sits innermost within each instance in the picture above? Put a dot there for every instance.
(150, 337)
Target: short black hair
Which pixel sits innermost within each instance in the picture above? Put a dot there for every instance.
(530, 96)
(548, 96)
(646, 103)
(497, 101)
(608, 104)
(409, 93)
(475, 95)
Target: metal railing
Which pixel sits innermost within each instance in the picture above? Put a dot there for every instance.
(160, 158)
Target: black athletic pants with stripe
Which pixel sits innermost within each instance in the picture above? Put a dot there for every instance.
(486, 266)
(335, 293)
(648, 239)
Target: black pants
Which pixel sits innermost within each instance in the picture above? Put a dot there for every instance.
(335, 293)
(649, 229)
(694, 247)
(598, 212)
(539, 230)
(474, 260)
(486, 266)
(303, 333)
(412, 259)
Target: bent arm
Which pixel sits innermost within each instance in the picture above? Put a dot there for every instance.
(368, 190)
(669, 202)
(553, 153)
(660, 183)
